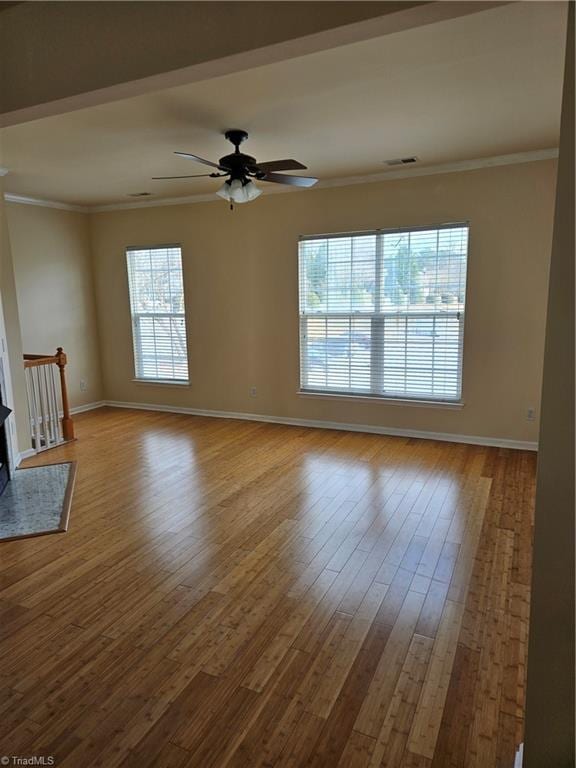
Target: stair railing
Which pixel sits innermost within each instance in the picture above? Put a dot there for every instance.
(48, 406)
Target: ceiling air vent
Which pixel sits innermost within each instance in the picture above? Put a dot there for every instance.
(401, 161)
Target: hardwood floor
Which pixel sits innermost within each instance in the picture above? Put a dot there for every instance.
(241, 594)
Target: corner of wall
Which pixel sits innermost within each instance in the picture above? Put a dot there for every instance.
(11, 321)
(91, 229)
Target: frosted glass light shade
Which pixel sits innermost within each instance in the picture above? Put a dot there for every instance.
(236, 192)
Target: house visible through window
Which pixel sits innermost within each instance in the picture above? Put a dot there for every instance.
(382, 313)
(158, 319)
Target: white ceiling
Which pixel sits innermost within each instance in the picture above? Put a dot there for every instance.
(478, 86)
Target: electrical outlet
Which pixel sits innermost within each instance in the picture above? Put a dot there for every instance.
(530, 414)
(83, 385)
(252, 391)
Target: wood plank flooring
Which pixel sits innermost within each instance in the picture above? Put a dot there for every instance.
(244, 595)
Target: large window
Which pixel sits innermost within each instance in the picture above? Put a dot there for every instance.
(382, 313)
(158, 320)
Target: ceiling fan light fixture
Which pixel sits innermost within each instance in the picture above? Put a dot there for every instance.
(224, 191)
(251, 191)
(238, 191)
(241, 168)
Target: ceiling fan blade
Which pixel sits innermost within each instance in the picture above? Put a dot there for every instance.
(194, 176)
(293, 181)
(281, 165)
(198, 159)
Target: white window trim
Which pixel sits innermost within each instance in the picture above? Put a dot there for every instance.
(163, 382)
(135, 378)
(455, 405)
(430, 402)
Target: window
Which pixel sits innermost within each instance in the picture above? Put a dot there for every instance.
(158, 320)
(382, 313)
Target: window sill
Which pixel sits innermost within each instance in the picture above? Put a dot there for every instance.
(455, 405)
(161, 383)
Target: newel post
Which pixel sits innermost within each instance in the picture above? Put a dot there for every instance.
(67, 423)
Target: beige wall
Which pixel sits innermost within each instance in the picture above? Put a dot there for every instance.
(242, 305)
(11, 325)
(550, 691)
(55, 289)
(111, 44)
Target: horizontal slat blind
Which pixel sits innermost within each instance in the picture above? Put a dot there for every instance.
(158, 319)
(382, 313)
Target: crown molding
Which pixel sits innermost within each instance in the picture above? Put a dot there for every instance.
(458, 166)
(207, 197)
(23, 200)
(372, 178)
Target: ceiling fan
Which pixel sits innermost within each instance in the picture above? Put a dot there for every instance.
(241, 169)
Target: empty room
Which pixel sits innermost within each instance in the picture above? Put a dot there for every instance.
(287, 384)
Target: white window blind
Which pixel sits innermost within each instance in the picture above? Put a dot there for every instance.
(158, 320)
(382, 313)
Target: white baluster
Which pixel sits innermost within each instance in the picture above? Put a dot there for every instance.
(34, 402)
(47, 411)
(50, 421)
(27, 376)
(54, 390)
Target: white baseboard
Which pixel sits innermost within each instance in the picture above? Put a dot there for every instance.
(24, 455)
(87, 407)
(496, 442)
(78, 409)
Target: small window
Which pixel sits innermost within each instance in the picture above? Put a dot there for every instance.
(382, 313)
(158, 319)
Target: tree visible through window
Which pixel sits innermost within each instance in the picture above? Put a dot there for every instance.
(382, 313)
(158, 319)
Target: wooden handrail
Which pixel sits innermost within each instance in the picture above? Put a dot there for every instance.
(60, 360)
(32, 360)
